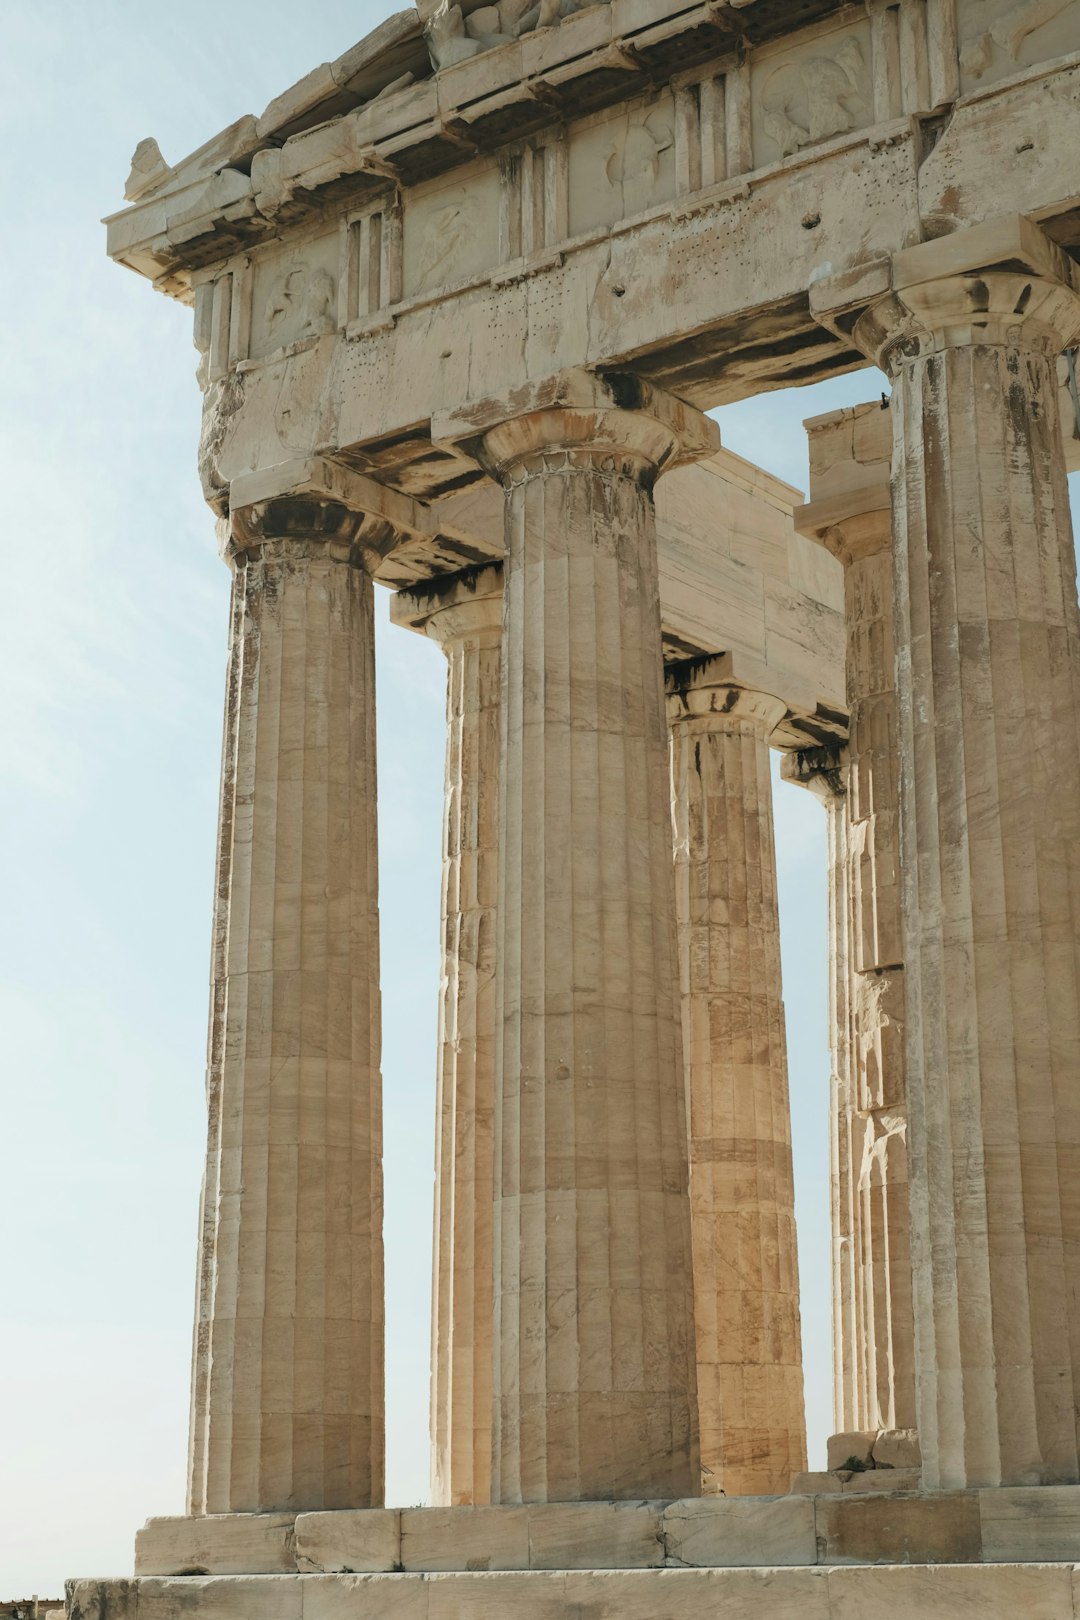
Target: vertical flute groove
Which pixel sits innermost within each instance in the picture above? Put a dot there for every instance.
(593, 1368)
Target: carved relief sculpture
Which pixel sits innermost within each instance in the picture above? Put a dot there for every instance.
(301, 305)
(453, 37)
(806, 101)
(1009, 31)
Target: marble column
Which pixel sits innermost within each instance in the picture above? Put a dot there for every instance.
(464, 615)
(594, 1353)
(987, 632)
(287, 1405)
(851, 514)
(742, 1195)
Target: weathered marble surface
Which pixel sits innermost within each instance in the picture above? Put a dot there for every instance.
(742, 1196)
(850, 514)
(987, 632)
(594, 1387)
(833, 1525)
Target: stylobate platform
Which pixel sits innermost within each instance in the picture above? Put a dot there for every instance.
(834, 1556)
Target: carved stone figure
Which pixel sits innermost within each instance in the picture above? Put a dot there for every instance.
(301, 305)
(447, 231)
(446, 39)
(453, 37)
(806, 101)
(1009, 31)
(634, 165)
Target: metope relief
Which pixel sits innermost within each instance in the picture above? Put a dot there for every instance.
(621, 164)
(450, 232)
(294, 296)
(812, 93)
(1001, 37)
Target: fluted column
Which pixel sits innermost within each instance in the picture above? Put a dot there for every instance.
(287, 1406)
(986, 621)
(850, 451)
(742, 1195)
(464, 615)
(594, 1354)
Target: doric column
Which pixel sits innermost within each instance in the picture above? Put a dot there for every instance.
(464, 615)
(742, 1196)
(287, 1405)
(851, 514)
(594, 1353)
(987, 629)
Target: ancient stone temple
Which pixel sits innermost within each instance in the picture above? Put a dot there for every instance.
(461, 300)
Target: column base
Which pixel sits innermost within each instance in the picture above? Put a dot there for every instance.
(903, 1592)
(1000, 1526)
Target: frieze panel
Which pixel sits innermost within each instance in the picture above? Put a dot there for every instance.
(294, 295)
(621, 163)
(1001, 37)
(450, 231)
(811, 92)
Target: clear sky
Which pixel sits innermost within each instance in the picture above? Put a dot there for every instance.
(112, 641)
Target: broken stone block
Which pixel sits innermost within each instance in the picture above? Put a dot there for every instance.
(851, 1446)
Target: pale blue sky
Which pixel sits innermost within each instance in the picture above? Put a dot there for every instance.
(112, 640)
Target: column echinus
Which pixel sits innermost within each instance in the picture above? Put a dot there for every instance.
(742, 1195)
(850, 513)
(594, 1354)
(987, 641)
(287, 1392)
(464, 615)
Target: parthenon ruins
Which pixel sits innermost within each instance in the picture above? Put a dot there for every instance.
(462, 299)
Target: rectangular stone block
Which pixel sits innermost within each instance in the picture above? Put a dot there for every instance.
(596, 1535)
(102, 1600)
(816, 1485)
(851, 1444)
(936, 1529)
(897, 1448)
(1040, 1523)
(218, 1544)
(691, 1594)
(357, 1542)
(497, 1596)
(938, 1592)
(883, 1479)
(221, 1597)
(741, 1531)
(347, 1597)
(465, 1538)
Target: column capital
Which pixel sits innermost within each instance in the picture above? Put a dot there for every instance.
(996, 307)
(1000, 283)
(721, 695)
(851, 526)
(618, 421)
(453, 607)
(316, 507)
(850, 506)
